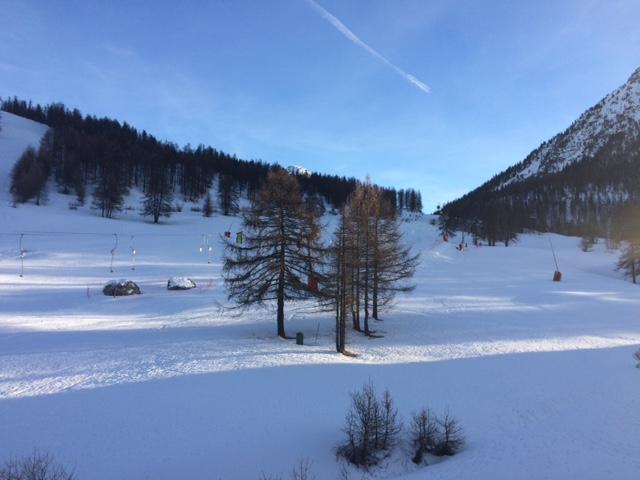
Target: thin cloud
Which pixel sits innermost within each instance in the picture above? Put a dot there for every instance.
(344, 30)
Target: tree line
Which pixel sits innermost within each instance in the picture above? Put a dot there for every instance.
(104, 158)
(282, 257)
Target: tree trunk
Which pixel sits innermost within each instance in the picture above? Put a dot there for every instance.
(376, 257)
(280, 294)
(367, 239)
(338, 296)
(354, 313)
(280, 314)
(366, 290)
(375, 295)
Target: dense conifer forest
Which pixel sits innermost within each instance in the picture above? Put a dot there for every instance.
(104, 158)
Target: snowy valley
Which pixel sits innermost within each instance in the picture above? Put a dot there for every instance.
(176, 384)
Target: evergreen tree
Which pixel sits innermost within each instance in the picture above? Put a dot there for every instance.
(108, 193)
(276, 259)
(207, 206)
(29, 176)
(447, 226)
(401, 200)
(419, 202)
(159, 195)
(110, 185)
(228, 194)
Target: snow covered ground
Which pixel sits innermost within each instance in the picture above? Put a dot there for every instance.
(170, 384)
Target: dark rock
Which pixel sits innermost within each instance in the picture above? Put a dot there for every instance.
(120, 288)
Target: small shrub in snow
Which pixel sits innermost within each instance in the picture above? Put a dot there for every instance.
(389, 424)
(636, 355)
(37, 466)
(431, 435)
(371, 425)
(196, 209)
(424, 434)
(450, 438)
(587, 242)
(302, 471)
(264, 476)
(177, 207)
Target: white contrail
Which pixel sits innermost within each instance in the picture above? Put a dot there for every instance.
(344, 30)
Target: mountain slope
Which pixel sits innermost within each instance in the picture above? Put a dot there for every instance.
(616, 114)
(575, 180)
(16, 134)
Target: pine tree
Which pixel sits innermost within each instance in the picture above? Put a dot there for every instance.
(447, 226)
(228, 194)
(401, 200)
(419, 206)
(507, 224)
(207, 206)
(159, 195)
(109, 191)
(29, 176)
(280, 251)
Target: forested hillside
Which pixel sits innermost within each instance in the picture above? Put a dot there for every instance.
(101, 159)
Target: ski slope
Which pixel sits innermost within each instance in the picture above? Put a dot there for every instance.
(172, 385)
(16, 134)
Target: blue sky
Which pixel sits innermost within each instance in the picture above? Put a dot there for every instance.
(275, 80)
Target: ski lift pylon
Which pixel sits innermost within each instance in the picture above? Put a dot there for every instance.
(21, 252)
(133, 253)
(113, 251)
